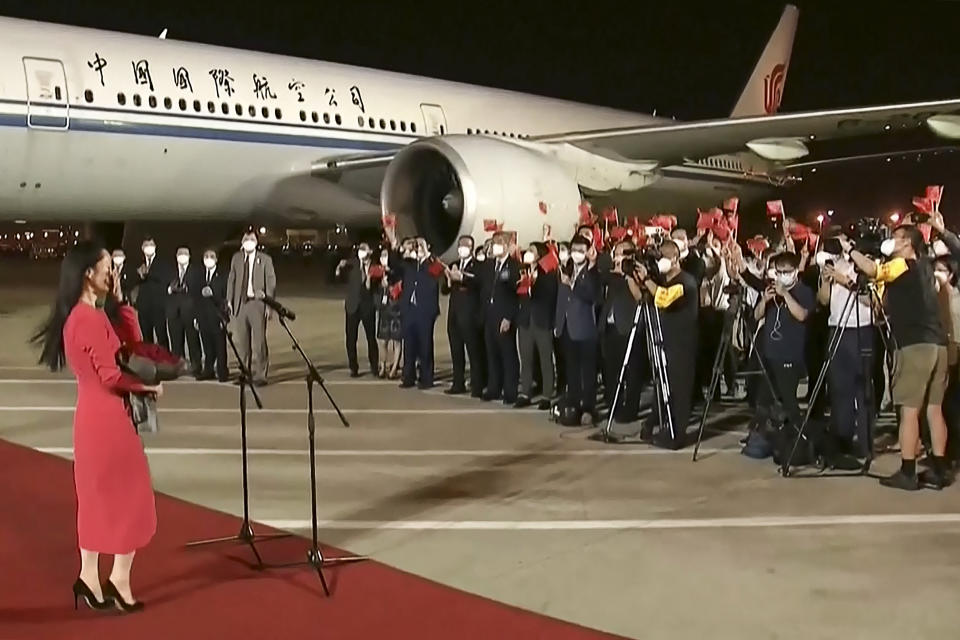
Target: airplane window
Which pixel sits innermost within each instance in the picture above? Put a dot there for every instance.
(383, 123)
(121, 99)
(303, 116)
(136, 99)
(167, 103)
(211, 107)
(372, 124)
(315, 117)
(183, 104)
(326, 118)
(403, 125)
(278, 114)
(393, 125)
(443, 129)
(225, 108)
(413, 127)
(265, 112)
(57, 93)
(359, 121)
(239, 109)
(337, 119)
(196, 106)
(469, 131)
(153, 102)
(252, 111)
(486, 132)
(88, 95)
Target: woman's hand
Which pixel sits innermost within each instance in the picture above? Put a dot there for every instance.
(156, 389)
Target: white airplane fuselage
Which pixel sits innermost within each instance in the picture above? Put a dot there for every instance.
(96, 125)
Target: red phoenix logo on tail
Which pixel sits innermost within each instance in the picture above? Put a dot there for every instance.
(773, 89)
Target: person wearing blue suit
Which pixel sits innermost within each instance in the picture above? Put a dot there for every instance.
(419, 308)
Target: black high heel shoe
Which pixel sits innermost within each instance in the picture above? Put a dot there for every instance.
(81, 590)
(111, 591)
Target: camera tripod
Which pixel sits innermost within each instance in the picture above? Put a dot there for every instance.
(650, 316)
(863, 288)
(741, 311)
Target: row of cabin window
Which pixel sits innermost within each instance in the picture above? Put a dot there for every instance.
(372, 124)
(487, 132)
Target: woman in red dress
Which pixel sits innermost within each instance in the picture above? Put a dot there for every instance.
(115, 502)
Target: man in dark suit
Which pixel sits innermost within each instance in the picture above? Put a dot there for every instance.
(576, 325)
(151, 280)
(419, 308)
(499, 320)
(210, 291)
(359, 307)
(123, 271)
(537, 310)
(181, 314)
(251, 279)
(616, 317)
(465, 320)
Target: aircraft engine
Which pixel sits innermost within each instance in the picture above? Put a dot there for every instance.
(442, 188)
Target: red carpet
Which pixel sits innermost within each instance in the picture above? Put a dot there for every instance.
(213, 592)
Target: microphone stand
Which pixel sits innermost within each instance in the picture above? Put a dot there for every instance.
(314, 556)
(246, 534)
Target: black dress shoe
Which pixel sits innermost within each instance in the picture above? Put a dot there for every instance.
(424, 387)
(543, 405)
(522, 402)
(455, 391)
(81, 590)
(406, 385)
(477, 394)
(489, 397)
(901, 480)
(354, 374)
(223, 378)
(123, 605)
(205, 376)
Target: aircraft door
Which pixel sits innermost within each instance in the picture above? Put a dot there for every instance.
(434, 120)
(48, 106)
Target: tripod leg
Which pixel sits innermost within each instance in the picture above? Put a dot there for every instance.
(714, 383)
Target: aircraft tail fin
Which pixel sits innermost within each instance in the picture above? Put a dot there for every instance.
(764, 89)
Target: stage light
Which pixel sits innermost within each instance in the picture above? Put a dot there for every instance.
(820, 218)
(895, 217)
(830, 213)
(263, 229)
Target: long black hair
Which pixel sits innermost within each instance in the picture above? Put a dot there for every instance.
(84, 255)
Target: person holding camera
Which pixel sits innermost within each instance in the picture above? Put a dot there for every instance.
(675, 296)
(617, 315)
(784, 307)
(919, 378)
(851, 368)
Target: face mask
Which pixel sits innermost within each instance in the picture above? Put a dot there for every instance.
(578, 257)
(498, 250)
(481, 257)
(529, 257)
(464, 252)
(149, 250)
(118, 260)
(564, 256)
(410, 254)
(362, 254)
(249, 246)
(384, 260)
(183, 259)
(664, 264)
(421, 253)
(787, 279)
(942, 276)
(940, 248)
(209, 263)
(887, 247)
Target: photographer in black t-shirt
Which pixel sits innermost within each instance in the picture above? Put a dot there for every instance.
(784, 307)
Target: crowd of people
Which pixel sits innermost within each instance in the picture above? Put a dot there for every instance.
(550, 324)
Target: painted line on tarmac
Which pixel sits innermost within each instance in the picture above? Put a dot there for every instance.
(516, 412)
(398, 453)
(209, 383)
(751, 522)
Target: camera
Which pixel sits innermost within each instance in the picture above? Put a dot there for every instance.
(867, 234)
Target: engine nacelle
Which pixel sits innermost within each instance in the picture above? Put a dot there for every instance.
(442, 188)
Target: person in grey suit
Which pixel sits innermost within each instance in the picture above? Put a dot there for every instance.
(251, 279)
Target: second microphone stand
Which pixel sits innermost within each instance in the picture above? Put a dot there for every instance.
(314, 556)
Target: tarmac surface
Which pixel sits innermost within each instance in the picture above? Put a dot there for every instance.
(503, 503)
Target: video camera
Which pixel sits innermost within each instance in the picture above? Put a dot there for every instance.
(867, 235)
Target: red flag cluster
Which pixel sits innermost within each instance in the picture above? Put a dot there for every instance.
(757, 245)
(929, 202)
(716, 221)
(551, 261)
(775, 208)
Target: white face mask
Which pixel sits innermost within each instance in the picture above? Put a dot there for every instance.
(183, 259)
(498, 250)
(362, 254)
(249, 246)
(118, 260)
(410, 254)
(564, 255)
(150, 250)
(887, 247)
(823, 257)
(664, 264)
(943, 277)
(421, 253)
(529, 257)
(209, 263)
(578, 257)
(481, 257)
(384, 260)
(787, 279)
(464, 252)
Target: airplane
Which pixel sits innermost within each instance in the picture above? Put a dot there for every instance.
(118, 128)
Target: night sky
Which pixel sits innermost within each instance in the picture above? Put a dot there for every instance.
(683, 59)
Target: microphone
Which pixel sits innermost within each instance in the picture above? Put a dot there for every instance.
(281, 310)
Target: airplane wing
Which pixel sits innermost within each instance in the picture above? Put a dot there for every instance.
(774, 137)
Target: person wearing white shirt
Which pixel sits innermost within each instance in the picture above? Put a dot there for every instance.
(181, 314)
(251, 279)
(151, 282)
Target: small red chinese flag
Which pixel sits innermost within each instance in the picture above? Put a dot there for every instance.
(733, 222)
(934, 193)
(597, 237)
(775, 208)
(730, 204)
(923, 205)
(925, 230)
(396, 290)
(586, 215)
(799, 231)
(389, 221)
(435, 269)
(523, 287)
(376, 271)
(549, 262)
(758, 244)
(543, 207)
(720, 228)
(665, 222)
(813, 239)
(610, 215)
(490, 225)
(618, 233)
(705, 220)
